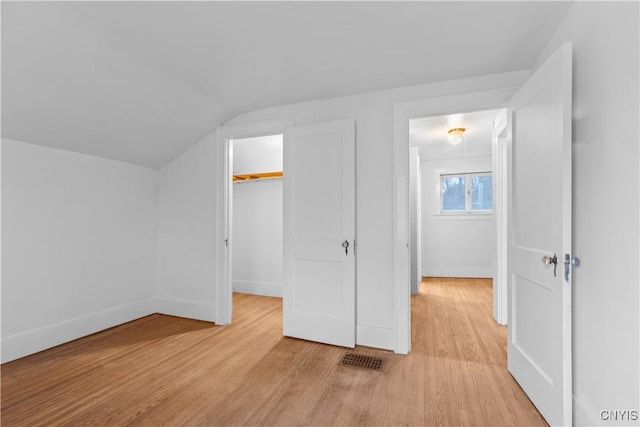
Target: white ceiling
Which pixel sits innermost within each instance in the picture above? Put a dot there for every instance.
(259, 154)
(430, 134)
(143, 81)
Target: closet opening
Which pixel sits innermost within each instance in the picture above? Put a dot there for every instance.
(256, 215)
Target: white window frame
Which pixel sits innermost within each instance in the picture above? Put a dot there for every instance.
(467, 190)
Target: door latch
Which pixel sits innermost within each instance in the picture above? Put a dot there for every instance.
(569, 263)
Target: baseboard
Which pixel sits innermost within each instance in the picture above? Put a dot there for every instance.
(35, 340)
(373, 336)
(582, 415)
(482, 272)
(258, 288)
(186, 308)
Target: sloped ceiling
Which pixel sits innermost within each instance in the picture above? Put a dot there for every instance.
(142, 81)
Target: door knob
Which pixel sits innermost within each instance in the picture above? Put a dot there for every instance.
(548, 260)
(345, 245)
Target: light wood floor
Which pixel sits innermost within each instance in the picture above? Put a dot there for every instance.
(162, 370)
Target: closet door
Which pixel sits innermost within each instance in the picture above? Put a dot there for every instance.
(319, 233)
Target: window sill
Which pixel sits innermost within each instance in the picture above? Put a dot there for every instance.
(480, 216)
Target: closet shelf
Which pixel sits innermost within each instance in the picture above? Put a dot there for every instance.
(260, 175)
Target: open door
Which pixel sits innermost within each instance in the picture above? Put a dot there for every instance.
(319, 233)
(540, 259)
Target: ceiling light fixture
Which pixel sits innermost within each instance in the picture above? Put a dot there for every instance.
(456, 136)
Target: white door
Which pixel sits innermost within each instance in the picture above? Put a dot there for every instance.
(319, 232)
(539, 338)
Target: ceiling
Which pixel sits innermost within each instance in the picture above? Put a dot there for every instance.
(258, 154)
(430, 134)
(143, 81)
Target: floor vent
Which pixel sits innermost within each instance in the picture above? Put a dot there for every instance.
(362, 361)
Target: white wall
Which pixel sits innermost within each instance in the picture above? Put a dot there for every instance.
(186, 253)
(606, 210)
(454, 246)
(257, 237)
(1, 262)
(373, 112)
(78, 245)
(257, 218)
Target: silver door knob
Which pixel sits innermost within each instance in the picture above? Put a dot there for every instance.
(548, 260)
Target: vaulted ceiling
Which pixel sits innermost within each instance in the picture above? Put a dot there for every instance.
(142, 81)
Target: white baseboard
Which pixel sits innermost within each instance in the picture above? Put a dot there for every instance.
(258, 288)
(373, 336)
(433, 271)
(35, 340)
(185, 308)
(582, 415)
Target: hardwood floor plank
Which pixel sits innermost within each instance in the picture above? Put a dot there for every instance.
(163, 370)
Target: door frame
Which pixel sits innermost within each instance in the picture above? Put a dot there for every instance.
(224, 167)
(501, 138)
(402, 114)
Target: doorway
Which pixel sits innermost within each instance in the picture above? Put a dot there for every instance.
(538, 139)
(318, 205)
(452, 196)
(495, 99)
(255, 240)
(225, 136)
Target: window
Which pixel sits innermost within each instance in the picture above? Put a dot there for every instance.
(466, 193)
